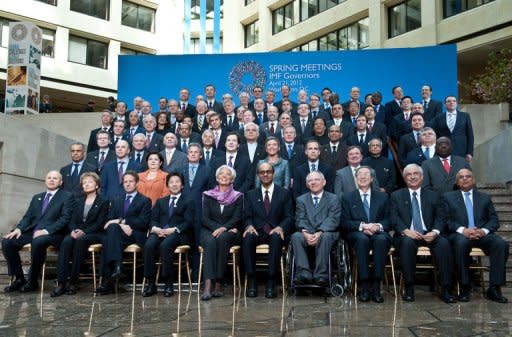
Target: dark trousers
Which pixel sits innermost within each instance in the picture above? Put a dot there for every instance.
(74, 250)
(494, 246)
(114, 242)
(322, 254)
(362, 244)
(440, 248)
(11, 249)
(249, 243)
(215, 252)
(164, 247)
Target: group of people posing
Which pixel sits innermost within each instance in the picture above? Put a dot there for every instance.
(215, 175)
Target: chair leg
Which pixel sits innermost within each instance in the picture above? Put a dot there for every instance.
(393, 274)
(94, 270)
(234, 274)
(134, 271)
(355, 276)
(283, 283)
(187, 265)
(42, 278)
(200, 272)
(179, 272)
(482, 280)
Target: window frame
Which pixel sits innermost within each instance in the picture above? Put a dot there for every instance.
(107, 8)
(87, 55)
(408, 28)
(254, 25)
(137, 8)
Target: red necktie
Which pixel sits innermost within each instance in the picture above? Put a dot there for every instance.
(183, 107)
(266, 202)
(272, 130)
(446, 166)
(148, 140)
(370, 127)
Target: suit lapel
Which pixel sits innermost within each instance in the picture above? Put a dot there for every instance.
(462, 205)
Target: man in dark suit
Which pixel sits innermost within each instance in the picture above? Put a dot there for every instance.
(171, 221)
(425, 150)
(174, 160)
(138, 153)
(112, 174)
(313, 163)
(44, 224)
(383, 167)
(365, 221)
(431, 107)
(303, 123)
(219, 134)
(401, 123)
(209, 153)
(184, 104)
(271, 127)
(351, 112)
(71, 173)
(376, 129)
(413, 217)
(285, 95)
(360, 136)
(200, 122)
(337, 119)
(378, 107)
(355, 94)
(134, 128)
(153, 139)
(268, 219)
(334, 154)
(103, 155)
(471, 221)
(129, 220)
(317, 222)
(118, 133)
(411, 140)
(211, 102)
(229, 121)
(457, 126)
(240, 163)
(292, 150)
(185, 137)
(393, 107)
(106, 125)
(252, 148)
(315, 108)
(439, 171)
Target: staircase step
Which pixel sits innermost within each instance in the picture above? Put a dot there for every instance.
(502, 199)
(505, 226)
(491, 185)
(503, 208)
(505, 216)
(497, 191)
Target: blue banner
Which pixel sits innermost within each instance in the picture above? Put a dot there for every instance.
(152, 77)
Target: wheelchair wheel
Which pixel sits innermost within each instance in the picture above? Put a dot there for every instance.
(337, 290)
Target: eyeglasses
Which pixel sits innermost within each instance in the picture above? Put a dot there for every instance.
(264, 172)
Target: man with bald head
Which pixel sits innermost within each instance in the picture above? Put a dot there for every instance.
(44, 224)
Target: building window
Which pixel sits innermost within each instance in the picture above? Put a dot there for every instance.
(309, 8)
(282, 18)
(247, 2)
(97, 8)
(49, 2)
(251, 33)
(48, 44)
(354, 36)
(404, 17)
(195, 9)
(195, 47)
(89, 52)
(137, 16)
(128, 51)
(453, 7)
(4, 32)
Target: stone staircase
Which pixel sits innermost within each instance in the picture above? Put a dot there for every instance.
(501, 196)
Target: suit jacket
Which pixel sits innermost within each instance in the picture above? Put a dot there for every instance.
(346, 128)
(67, 180)
(110, 186)
(222, 140)
(194, 138)
(199, 185)
(244, 172)
(93, 157)
(259, 154)
(399, 127)
(190, 110)
(234, 123)
(280, 213)
(436, 178)
(92, 145)
(297, 158)
(265, 129)
(231, 216)
(353, 211)
(406, 145)
(325, 217)
(320, 114)
(301, 172)
(462, 136)
(143, 165)
(138, 216)
(182, 216)
(217, 106)
(177, 161)
(380, 131)
(339, 160)
(214, 153)
(353, 139)
(308, 130)
(415, 156)
(434, 108)
(127, 133)
(156, 143)
(55, 218)
(392, 109)
(95, 219)
(385, 171)
(195, 125)
(452, 211)
(345, 183)
(401, 210)
(380, 113)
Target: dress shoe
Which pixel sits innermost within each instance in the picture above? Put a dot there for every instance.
(364, 295)
(117, 273)
(494, 294)
(104, 289)
(58, 291)
(465, 293)
(15, 286)
(71, 290)
(321, 282)
(150, 290)
(270, 291)
(168, 290)
(302, 279)
(446, 296)
(252, 289)
(376, 295)
(29, 287)
(408, 296)
(206, 296)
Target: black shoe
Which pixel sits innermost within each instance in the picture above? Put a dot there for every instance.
(494, 294)
(364, 295)
(15, 286)
(321, 282)
(104, 289)
(376, 295)
(29, 287)
(168, 290)
(71, 290)
(446, 296)
(302, 279)
(117, 273)
(252, 288)
(58, 291)
(270, 291)
(465, 293)
(408, 296)
(150, 290)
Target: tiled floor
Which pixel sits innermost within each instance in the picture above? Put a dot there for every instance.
(183, 315)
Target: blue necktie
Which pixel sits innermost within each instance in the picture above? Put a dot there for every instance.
(127, 204)
(184, 147)
(315, 202)
(313, 167)
(416, 217)
(139, 159)
(427, 153)
(290, 150)
(469, 210)
(74, 174)
(366, 206)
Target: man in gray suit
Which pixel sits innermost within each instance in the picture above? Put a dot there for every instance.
(440, 171)
(317, 220)
(174, 160)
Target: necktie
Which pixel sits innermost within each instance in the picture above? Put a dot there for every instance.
(183, 108)
(216, 137)
(105, 129)
(314, 113)
(139, 159)
(353, 121)
(369, 127)
(200, 123)
(303, 125)
(102, 160)
(333, 154)
(207, 157)
(366, 206)
(127, 203)
(184, 146)
(313, 167)
(171, 206)
(260, 118)
(416, 217)
(446, 165)
(120, 172)
(417, 138)
(426, 153)
(469, 210)
(451, 121)
(290, 150)
(230, 121)
(74, 174)
(168, 158)
(191, 174)
(132, 132)
(327, 106)
(46, 201)
(272, 130)
(361, 138)
(266, 202)
(406, 116)
(425, 105)
(315, 201)
(210, 105)
(148, 140)
(230, 161)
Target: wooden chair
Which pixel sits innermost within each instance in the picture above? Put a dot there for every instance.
(264, 249)
(390, 265)
(477, 254)
(424, 252)
(235, 252)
